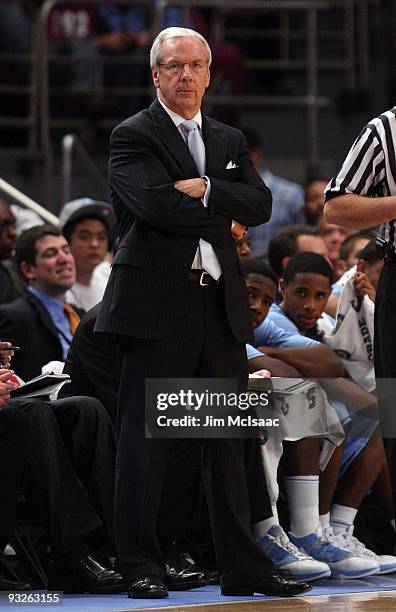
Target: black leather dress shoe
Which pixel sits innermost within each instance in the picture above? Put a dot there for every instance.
(87, 576)
(184, 578)
(274, 584)
(147, 587)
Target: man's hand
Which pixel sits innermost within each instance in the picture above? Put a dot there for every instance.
(237, 230)
(6, 386)
(5, 354)
(195, 187)
(362, 284)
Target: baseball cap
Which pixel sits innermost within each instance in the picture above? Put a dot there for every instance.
(86, 208)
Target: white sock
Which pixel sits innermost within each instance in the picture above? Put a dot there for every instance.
(342, 517)
(261, 528)
(303, 498)
(325, 520)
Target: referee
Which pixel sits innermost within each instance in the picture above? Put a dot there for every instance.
(362, 195)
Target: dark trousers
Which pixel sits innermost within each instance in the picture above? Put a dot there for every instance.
(385, 362)
(14, 440)
(89, 438)
(50, 483)
(201, 345)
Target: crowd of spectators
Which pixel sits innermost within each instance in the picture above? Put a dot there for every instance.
(51, 276)
(60, 453)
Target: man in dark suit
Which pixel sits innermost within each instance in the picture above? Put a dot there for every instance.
(37, 320)
(176, 299)
(33, 459)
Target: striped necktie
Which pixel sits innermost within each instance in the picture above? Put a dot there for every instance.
(73, 317)
(196, 146)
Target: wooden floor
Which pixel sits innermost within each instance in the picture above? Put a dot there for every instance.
(384, 601)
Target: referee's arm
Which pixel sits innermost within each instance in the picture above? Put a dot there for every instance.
(358, 211)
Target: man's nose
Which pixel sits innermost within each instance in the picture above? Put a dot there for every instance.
(186, 74)
(310, 305)
(255, 306)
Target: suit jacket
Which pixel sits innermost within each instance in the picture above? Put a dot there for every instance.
(160, 227)
(27, 323)
(93, 365)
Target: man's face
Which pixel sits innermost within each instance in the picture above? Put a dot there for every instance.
(89, 244)
(352, 259)
(373, 272)
(243, 246)
(305, 298)
(314, 201)
(312, 244)
(54, 271)
(7, 231)
(333, 235)
(182, 91)
(261, 292)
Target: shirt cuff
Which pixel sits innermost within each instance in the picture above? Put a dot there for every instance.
(205, 199)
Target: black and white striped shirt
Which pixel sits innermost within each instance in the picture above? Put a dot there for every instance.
(370, 166)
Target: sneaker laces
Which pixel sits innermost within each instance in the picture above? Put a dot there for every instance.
(357, 546)
(290, 547)
(340, 540)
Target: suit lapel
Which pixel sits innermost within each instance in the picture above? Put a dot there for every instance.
(215, 146)
(170, 136)
(43, 314)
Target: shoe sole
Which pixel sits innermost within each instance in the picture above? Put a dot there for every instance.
(246, 592)
(186, 586)
(352, 575)
(386, 570)
(148, 596)
(310, 577)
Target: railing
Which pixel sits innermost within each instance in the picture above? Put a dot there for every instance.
(21, 198)
(70, 144)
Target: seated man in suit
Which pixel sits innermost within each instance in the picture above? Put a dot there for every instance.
(40, 321)
(33, 459)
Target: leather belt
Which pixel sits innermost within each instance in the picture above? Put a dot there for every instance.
(202, 277)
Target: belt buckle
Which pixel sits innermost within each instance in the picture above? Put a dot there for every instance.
(201, 279)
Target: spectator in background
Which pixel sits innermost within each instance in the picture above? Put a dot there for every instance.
(314, 200)
(287, 198)
(40, 321)
(242, 245)
(291, 240)
(87, 226)
(124, 31)
(333, 235)
(346, 265)
(369, 268)
(11, 284)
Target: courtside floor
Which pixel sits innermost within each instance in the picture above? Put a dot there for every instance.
(369, 595)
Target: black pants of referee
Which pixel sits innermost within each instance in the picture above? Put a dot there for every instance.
(385, 362)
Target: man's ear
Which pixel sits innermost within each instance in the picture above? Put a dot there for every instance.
(285, 261)
(339, 268)
(27, 271)
(154, 74)
(282, 286)
(208, 79)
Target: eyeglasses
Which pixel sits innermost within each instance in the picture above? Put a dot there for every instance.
(178, 67)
